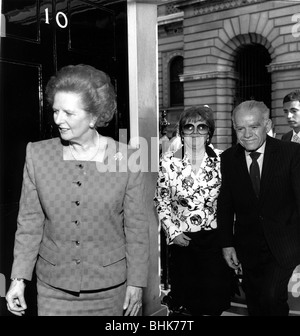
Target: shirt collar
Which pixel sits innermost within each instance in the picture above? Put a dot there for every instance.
(260, 150)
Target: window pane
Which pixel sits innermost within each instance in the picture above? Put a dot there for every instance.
(176, 87)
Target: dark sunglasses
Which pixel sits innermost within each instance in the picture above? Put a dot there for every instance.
(189, 129)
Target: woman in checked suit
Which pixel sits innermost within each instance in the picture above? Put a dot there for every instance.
(80, 219)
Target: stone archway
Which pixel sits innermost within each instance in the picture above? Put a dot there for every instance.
(237, 32)
(166, 60)
(226, 62)
(234, 46)
(253, 79)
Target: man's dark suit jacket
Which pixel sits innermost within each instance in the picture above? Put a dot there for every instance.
(287, 136)
(276, 213)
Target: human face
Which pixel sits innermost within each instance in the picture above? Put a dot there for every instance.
(69, 115)
(251, 128)
(292, 112)
(189, 129)
(195, 140)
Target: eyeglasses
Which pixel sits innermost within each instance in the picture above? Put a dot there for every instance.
(189, 129)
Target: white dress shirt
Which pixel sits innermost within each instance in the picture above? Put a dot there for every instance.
(260, 160)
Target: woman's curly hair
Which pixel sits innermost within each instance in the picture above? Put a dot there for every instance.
(94, 86)
(198, 113)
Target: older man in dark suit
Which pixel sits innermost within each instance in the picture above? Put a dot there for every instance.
(259, 210)
(291, 108)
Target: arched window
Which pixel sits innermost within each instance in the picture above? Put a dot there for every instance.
(254, 79)
(176, 87)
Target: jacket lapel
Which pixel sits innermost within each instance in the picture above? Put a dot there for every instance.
(242, 172)
(269, 167)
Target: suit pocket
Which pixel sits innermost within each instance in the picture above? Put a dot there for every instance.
(48, 255)
(114, 256)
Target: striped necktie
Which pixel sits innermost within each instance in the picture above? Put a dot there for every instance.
(254, 172)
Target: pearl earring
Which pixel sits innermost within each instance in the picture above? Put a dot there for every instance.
(91, 125)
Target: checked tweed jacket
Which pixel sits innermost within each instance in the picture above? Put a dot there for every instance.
(79, 222)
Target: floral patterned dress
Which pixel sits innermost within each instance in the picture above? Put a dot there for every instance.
(185, 201)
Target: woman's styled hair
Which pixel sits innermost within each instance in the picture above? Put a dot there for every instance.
(94, 86)
(198, 113)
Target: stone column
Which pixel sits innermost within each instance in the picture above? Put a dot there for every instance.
(143, 96)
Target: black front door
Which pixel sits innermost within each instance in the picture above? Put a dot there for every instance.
(37, 38)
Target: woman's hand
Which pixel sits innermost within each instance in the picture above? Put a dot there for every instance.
(133, 300)
(182, 240)
(15, 297)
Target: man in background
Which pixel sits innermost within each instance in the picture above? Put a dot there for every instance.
(291, 108)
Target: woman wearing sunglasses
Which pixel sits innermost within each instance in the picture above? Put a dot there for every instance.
(186, 199)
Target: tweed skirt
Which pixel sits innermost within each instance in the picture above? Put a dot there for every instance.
(57, 302)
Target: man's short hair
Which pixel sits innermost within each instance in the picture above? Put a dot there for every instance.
(292, 96)
(250, 105)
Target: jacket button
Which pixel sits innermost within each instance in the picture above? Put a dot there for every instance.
(77, 261)
(77, 203)
(77, 222)
(77, 243)
(78, 183)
